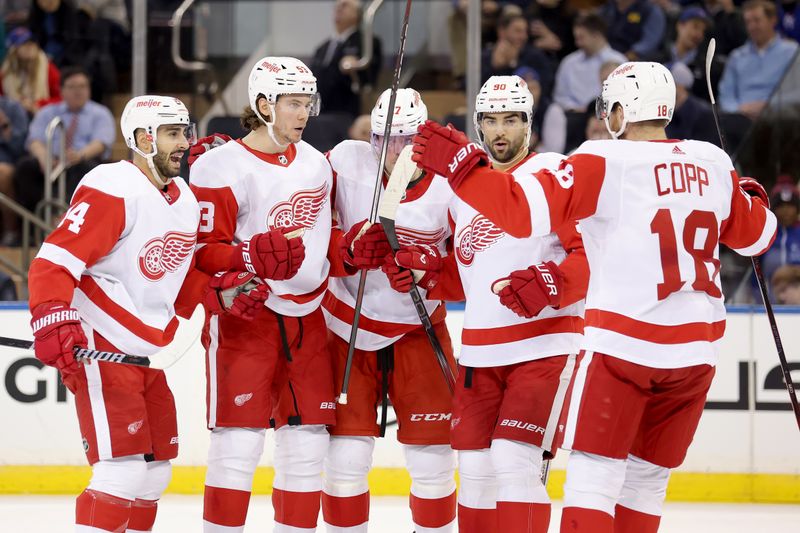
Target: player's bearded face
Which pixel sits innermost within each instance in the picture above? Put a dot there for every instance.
(504, 135)
(172, 143)
(291, 116)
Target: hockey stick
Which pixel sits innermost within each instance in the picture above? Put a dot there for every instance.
(188, 332)
(402, 173)
(373, 214)
(762, 284)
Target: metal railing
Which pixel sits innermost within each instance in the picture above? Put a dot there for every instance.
(30, 222)
(51, 173)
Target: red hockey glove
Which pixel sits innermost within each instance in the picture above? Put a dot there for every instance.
(205, 144)
(271, 255)
(447, 152)
(527, 292)
(754, 188)
(56, 330)
(424, 263)
(237, 293)
(364, 249)
(399, 278)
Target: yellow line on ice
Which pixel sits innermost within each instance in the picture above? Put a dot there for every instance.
(684, 486)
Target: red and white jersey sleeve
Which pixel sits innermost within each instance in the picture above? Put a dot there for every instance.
(493, 335)
(128, 247)
(243, 192)
(653, 215)
(386, 315)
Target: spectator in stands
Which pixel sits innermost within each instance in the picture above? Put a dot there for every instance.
(789, 19)
(551, 25)
(360, 129)
(89, 131)
(728, 26)
(689, 47)
(512, 51)
(54, 26)
(635, 27)
(785, 202)
(755, 69)
(692, 118)
(786, 285)
(13, 129)
(578, 83)
(339, 84)
(690, 32)
(27, 75)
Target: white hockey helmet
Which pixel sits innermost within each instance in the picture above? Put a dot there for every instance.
(409, 113)
(274, 76)
(148, 113)
(645, 90)
(504, 94)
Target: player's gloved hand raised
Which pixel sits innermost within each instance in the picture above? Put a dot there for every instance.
(754, 188)
(526, 292)
(275, 254)
(364, 246)
(239, 293)
(424, 263)
(205, 144)
(56, 331)
(446, 151)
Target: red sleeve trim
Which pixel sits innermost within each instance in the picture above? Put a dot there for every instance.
(48, 282)
(498, 197)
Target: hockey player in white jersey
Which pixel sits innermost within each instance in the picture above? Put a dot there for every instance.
(256, 194)
(514, 370)
(652, 213)
(111, 276)
(394, 358)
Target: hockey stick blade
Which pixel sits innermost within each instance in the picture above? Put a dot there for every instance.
(187, 334)
(402, 173)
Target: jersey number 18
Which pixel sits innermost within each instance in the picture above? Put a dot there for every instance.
(664, 228)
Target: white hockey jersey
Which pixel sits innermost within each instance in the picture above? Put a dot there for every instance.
(129, 247)
(652, 215)
(421, 219)
(493, 335)
(243, 192)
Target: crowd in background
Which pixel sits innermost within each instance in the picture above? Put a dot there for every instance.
(64, 58)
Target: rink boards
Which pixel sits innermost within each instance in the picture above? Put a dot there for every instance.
(747, 447)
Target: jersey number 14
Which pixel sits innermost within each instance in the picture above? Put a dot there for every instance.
(695, 223)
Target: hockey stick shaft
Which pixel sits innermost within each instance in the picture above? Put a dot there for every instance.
(373, 214)
(762, 284)
(85, 353)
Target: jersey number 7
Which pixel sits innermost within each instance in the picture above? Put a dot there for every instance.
(664, 228)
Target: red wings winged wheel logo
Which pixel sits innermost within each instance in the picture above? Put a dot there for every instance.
(165, 254)
(479, 235)
(301, 209)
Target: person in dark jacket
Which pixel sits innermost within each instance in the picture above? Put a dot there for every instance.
(692, 118)
(338, 82)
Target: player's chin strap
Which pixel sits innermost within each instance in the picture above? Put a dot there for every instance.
(616, 134)
(157, 177)
(270, 125)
